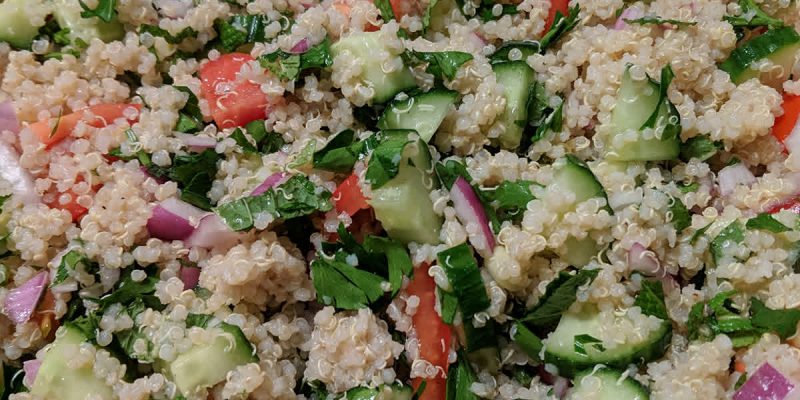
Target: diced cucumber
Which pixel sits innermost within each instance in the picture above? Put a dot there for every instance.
(56, 379)
(559, 347)
(365, 46)
(383, 392)
(780, 46)
(15, 23)
(68, 15)
(422, 113)
(517, 79)
(636, 103)
(606, 384)
(206, 365)
(578, 252)
(403, 205)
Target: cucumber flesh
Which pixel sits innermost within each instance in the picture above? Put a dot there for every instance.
(68, 15)
(422, 113)
(383, 392)
(560, 344)
(403, 205)
(780, 45)
(57, 380)
(517, 79)
(365, 46)
(15, 25)
(636, 101)
(578, 252)
(606, 384)
(206, 365)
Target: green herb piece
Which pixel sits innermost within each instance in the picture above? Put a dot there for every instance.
(480, 338)
(156, 31)
(681, 218)
(426, 16)
(268, 142)
(194, 174)
(542, 115)
(688, 187)
(239, 136)
(289, 66)
(582, 341)
(659, 21)
(62, 37)
(443, 64)
(105, 10)
(752, 17)
(767, 222)
(69, 262)
(397, 258)
(696, 320)
(449, 306)
(198, 320)
(700, 232)
(700, 147)
(561, 26)
(58, 122)
(731, 234)
(486, 12)
(129, 290)
(86, 324)
(384, 162)
(190, 118)
(448, 171)
(385, 7)
(560, 295)
(240, 30)
(782, 322)
(527, 340)
(651, 300)
(296, 197)
(663, 85)
(511, 199)
(343, 285)
(462, 270)
(739, 382)
(460, 379)
(340, 153)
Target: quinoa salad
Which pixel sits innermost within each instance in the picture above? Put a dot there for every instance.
(399, 199)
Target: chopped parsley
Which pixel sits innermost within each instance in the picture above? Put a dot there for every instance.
(767, 222)
(339, 283)
(560, 295)
(105, 10)
(190, 118)
(651, 300)
(289, 66)
(562, 25)
(681, 218)
(752, 17)
(194, 174)
(441, 64)
(384, 162)
(584, 341)
(156, 31)
(699, 147)
(240, 30)
(659, 21)
(462, 270)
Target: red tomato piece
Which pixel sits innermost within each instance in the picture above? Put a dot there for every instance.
(556, 5)
(792, 205)
(348, 197)
(435, 336)
(233, 101)
(54, 130)
(404, 7)
(786, 123)
(76, 210)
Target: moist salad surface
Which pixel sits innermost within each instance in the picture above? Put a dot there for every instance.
(399, 199)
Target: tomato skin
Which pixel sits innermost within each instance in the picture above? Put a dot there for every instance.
(435, 336)
(401, 8)
(233, 102)
(792, 205)
(555, 5)
(785, 123)
(103, 114)
(348, 197)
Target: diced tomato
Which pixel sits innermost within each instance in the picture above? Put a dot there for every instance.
(404, 7)
(555, 5)
(348, 197)
(790, 120)
(433, 334)
(233, 101)
(792, 205)
(56, 129)
(76, 210)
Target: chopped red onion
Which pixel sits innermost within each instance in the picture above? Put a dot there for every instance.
(300, 47)
(21, 301)
(470, 211)
(732, 176)
(560, 386)
(11, 170)
(767, 383)
(273, 180)
(31, 369)
(8, 118)
(629, 13)
(212, 232)
(197, 142)
(643, 260)
(190, 276)
(172, 219)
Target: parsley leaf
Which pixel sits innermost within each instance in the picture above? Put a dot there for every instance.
(651, 300)
(688, 187)
(462, 270)
(289, 66)
(190, 118)
(696, 320)
(385, 7)
(448, 171)
(69, 262)
(105, 10)
(198, 320)
(700, 147)
(782, 322)
(486, 11)
(582, 341)
(240, 30)
(733, 233)
(681, 218)
(157, 31)
(238, 136)
(561, 26)
(344, 285)
(659, 21)
(460, 379)
(340, 153)
(268, 142)
(752, 16)
(766, 222)
(129, 290)
(384, 162)
(443, 64)
(194, 174)
(663, 85)
(511, 198)
(296, 197)
(560, 295)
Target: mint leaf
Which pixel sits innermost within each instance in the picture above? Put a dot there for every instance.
(560, 295)
(296, 197)
(462, 270)
(699, 147)
(731, 234)
(343, 285)
(511, 199)
(651, 300)
(782, 322)
(105, 10)
(340, 153)
(443, 64)
(190, 118)
(582, 341)
(767, 222)
(384, 162)
(681, 218)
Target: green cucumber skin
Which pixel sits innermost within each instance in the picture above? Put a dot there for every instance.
(517, 79)
(15, 27)
(411, 113)
(611, 389)
(771, 42)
